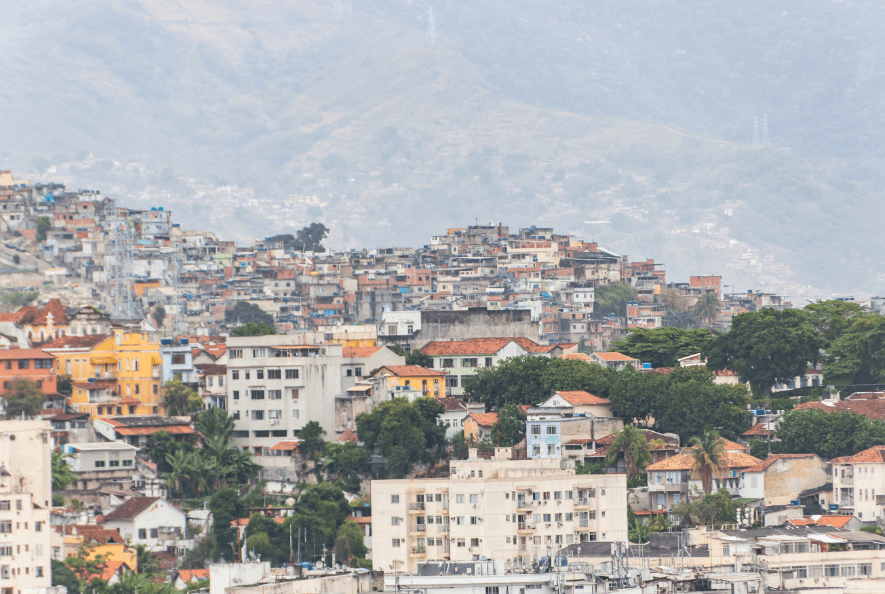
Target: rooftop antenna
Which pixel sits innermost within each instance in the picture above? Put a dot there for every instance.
(756, 131)
(431, 28)
(765, 129)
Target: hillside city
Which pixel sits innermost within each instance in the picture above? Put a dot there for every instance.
(499, 409)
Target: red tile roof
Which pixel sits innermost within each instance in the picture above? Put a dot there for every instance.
(25, 354)
(411, 371)
(131, 508)
(450, 404)
(479, 346)
(99, 534)
(187, 575)
(348, 435)
(834, 521)
(685, 462)
(579, 397)
(359, 352)
(731, 446)
(771, 459)
(869, 455)
(484, 419)
(614, 357)
(758, 429)
(871, 409)
(89, 341)
(577, 357)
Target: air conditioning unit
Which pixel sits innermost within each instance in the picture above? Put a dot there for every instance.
(558, 502)
(559, 524)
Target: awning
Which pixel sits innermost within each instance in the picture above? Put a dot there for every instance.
(173, 429)
(156, 360)
(104, 360)
(287, 446)
(359, 389)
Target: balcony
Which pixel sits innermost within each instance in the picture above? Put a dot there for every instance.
(525, 527)
(583, 502)
(442, 528)
(418, 528)
(417, 551)
(583, 523)
(675, 487)
(416, 507)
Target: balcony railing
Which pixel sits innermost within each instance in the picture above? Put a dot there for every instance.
(583, 523)
(418, 528)
(416, 507)
(582, 501)
(525, 526)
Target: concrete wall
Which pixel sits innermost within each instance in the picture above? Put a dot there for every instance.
(342, 583)
(474, 323)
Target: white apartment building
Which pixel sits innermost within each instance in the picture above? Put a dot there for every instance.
(276, 385)
(515, 511)
(859, 484)
(25, 498)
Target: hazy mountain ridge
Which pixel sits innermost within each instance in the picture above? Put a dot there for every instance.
(281, 97)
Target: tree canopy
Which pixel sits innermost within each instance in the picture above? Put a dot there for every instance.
(827, 434)
(310, 238)
(662, 347)
(23, 398)
(856, 358)
(510, 428)
(244, 312)
(765, 347)
(179, 399)
(612, 299)
(253, 329)
(406, 432)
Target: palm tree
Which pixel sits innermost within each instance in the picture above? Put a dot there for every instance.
(631, 443)
(709, 459)
(62, 475)
(181, 465)
(214, 423)
(684, 320)
(707, 307)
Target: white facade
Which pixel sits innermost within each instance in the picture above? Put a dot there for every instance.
(177, 360)
(276, 385)
(399, 323)
(859, 483)
(224, 575)
(462, 366)
(101, 456)
(25, 547)
(515, 511)
(160, 527)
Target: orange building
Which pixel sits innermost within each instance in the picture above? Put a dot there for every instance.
(32, 364)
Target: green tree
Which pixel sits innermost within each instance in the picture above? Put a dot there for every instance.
(311, 442)
(138, 583)
(827, 434)
(711, 405)
(18, 298)
(831, 318)
(631, 444)
(85, 562)
(214, 423)
(634, 394)
(510, 428)
(63, 576)
(405, 432)
(178, 399)
(707, 307)
(62, 475)
(44, 224)
(758, 448)
(344, 459)
(226, 506)
(23, 398)
(253, 329)
(594, 467)
(708, 458)
(310, 238)
(63, 384)
(857, 356)
(349, 542)
(460, 447)
(162, 444)
(244, 312)
(662, 347)
(681, 319)
(765, 347)
(413, 357)
(531, 380)
(147, 564)
(612, 299)
(320, 510)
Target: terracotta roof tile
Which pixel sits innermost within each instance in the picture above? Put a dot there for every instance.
(450, 404)
(871, 409)
(758, 429)
(478, 346)
(774, 458)
(25, 354)
(577, 357)
(732, 446)
(869, 455)
(614, 357)
(348, 435)
(579, 397)
(834, 521)
(187, 575)
(77, 342)
(411, 371)
(685, 462)
(484, 419)
(359, 352)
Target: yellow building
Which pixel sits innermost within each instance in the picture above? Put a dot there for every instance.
(107, 542)
(111, 374)
(428, 381)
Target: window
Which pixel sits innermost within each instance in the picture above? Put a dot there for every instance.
(259, 374)
(257, 415)
(256, 394)
(5, 527)
(178, 359)
(815, 571)
(831, 570)
(38, 571)
(99, 464)
(142, 533)
(395, 543)
(236, 416)
(458, 521)
(726, 550)
(246, 374)
(4, 505)
(127, 462)
(114, 463)
(235, 374)
(295, 413)
(551, 430)
(557, 518)
(348, 373)
(848, 570)
(358, 371)
(274, 414)
(461, 543)
(474, 498)
(489, 362)
(865, 569)
(259, 353)
(474, 520)
(24, 363)
(568, 517)
(448, 363)
(471, 362)
(274, 394)
(546, 517)
(394, 498)
(6, 551)
(459, 498)
(394, 521)
(451, 381)
(536, 430)
(236, 394)
(235, 353)
(291, 374)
